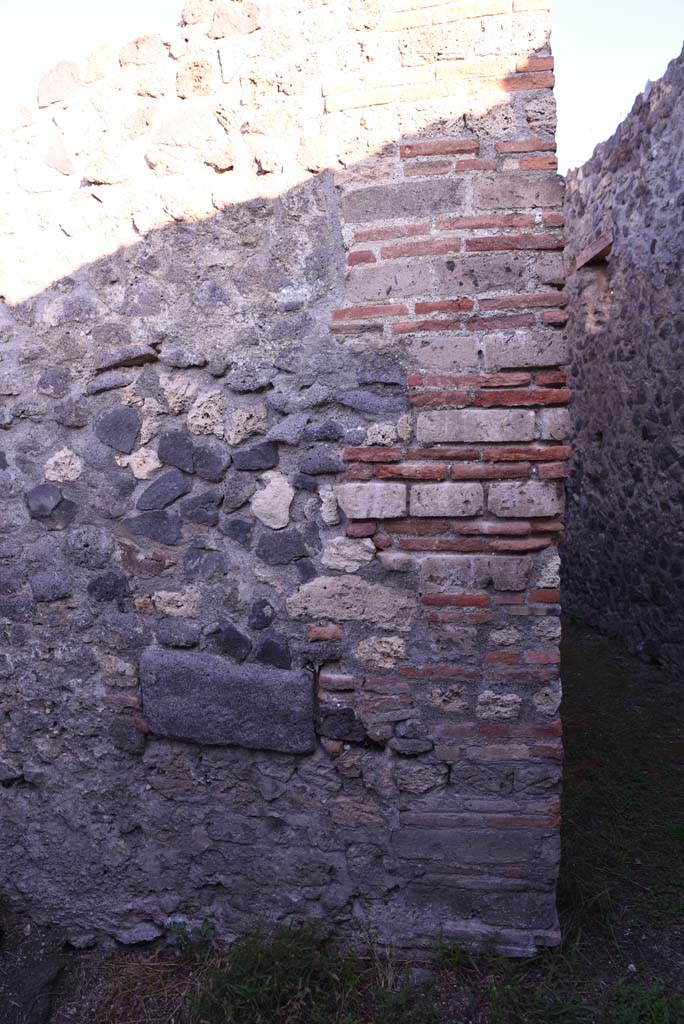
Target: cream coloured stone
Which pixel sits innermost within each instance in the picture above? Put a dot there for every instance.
(58, 83)
(98, 63)
(196, 11)
(153, 417)
(348, 598)
(347, 554)
(381, 433)
(246, 422)
(381, 651)
(505, 637)
(143, 463)
(178, 603)
(180, 393)
(64, 466)
(144, 50)
(206, 414)
(271, 505)
(547, 575)
(547, 700)
(196, 78)
(548, 628)
(454, 698)
(498, 705)
(329, 508)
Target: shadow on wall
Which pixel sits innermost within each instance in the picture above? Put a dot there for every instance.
(624, 554)
(175, 415)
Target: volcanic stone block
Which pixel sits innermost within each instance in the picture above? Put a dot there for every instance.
(446, 499)
(526, 498)
(372, 500)
(458, 425)
(204, 699)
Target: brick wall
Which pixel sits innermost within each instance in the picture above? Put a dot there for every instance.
(285, 437)
(624, 570)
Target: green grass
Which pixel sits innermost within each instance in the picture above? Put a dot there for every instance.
(291, 976)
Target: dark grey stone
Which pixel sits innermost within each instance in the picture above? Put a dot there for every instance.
(17, 607)
(306, 570)
(340, 724)
(110, 586)
(54, 381)
(261, 456)
(175, 449)
(119, 429)
(205, 699)
(278, 547)
(329, 430)
(245, 379)
(304, 482)
(232, 642)
(239, 530)
(202, 508)
(164, 491)
(321, 459)
(204, 563)
(261, 615)
(211, 461)
(130, 355)
(110, 381)
(372, 404)
(50, 585)
(12, 579)
(160, 526)
(3, 461)
(290, 429)
(273, 649)
(90, 546)
(177, 633)
(181, 358)
(126, 736)
(42, 500)
(237, 490)
(71, 413)
(381, 370)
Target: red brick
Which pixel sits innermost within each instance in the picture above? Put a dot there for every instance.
(479, 471)
(527, 544)
(539, 163)
(400, 231)
(440, 544)
(476, 164)
(427, 168)
(422, 399)
(553, 219)
(324, 633)
(354, 259)
(467, 454)
(371, 454)
(438, 147)
(502, 658)
(409, 326)
(500, 323)
(432, 247)
(504, 243)
(523, 396)
(508, 599)
(503, 220)
(382, 541)
(419, 471)
(551, 453)
(526, 146)
(439, 672)
(550, 656)
(548, 526)
(142, 725)
(356, 473)
(544, 596)
(510, 528)
(556, 317)
(536, 64)
(553, 470)
(550, 750)
(368, 312)
(361, 529)
(596, 252)
(425, 526)
(456, 600)
(528, 301)
(445, 306)
(549, 378)
(536, 80)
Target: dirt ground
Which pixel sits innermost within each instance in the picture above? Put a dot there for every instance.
(621, 898)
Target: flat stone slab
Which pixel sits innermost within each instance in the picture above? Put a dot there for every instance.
(206, 699)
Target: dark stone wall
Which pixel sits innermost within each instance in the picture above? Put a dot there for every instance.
(624, 564)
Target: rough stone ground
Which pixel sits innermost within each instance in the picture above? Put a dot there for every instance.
(622, 887)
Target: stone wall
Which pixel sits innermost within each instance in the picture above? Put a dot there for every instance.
(624, 564)
(282, 457)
